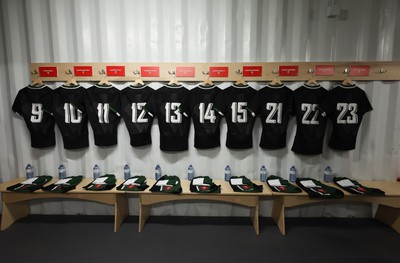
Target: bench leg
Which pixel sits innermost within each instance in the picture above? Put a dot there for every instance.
(13, 212)
(121, 211)
(278, 214)
(144, 213)
(390, 216)
(254, 216)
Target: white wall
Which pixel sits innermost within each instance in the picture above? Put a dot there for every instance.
(199, 31)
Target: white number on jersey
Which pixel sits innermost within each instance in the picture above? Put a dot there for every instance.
(72, 114)
(37, 113)
(207, 114)
(103, 111)
(173, 114)
(275, 114)
(138, 108)
(310, 111)
(239, 112)
(344, 108)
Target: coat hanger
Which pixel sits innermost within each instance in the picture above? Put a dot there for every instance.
(138, 81)
(311, 81)
(173, 81)
(207, 81)
(347, 81)
(104, 80)
(276, 81)
(37, 82)
(240, 81)
(71, 80)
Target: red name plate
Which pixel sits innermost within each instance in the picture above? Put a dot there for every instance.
(252, 71)
(83, 71)
(185, 71)
(150, 71)
(46, 72)
(359, 71)
(288, 70)
(324, 70)
(219, 72)
(115, 71)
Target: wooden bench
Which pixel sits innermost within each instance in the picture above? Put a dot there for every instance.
(388, 210)
(250, 200)
(16, 205)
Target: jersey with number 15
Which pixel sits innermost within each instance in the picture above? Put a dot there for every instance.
(239, 115)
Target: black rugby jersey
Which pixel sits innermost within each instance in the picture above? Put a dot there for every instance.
(70, 115)
(103, 107)
(170, 105)
(205, 108)
(274, 106)
(345, 106)
(34, 104)
(239, 116)
(135, 113)
(311, 125)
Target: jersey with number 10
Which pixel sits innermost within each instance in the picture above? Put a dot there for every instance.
(345, 106)
(71, 117)
(103, 106)
(35, 105)
(310, 123)
(205, 109)
(274, 105)
(170, 105)
(239, 116)
(135, 113)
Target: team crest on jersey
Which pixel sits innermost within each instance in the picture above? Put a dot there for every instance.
(203, 188)
(245, 187)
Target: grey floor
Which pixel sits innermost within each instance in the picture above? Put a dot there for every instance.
(44, 238)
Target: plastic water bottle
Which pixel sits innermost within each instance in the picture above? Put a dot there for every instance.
(263, 174)
(190, 173)
(62, 173)
(29, 171)
(227, 173)
(328, 174)
(158, 172)
(292, 174)
(96, 171)
(127, 172)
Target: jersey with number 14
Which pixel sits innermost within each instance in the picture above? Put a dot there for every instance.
(170, 105)
(345, 106)
(103, 106)
(34, 104)
(71, 117)
(205, 109)
(310, 123)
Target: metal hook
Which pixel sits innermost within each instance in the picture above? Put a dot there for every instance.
(34, 72)
(136, 72)
(206, 72)
(171, 72)
(382, 70)
(275, 71)
(310, 71)
(239, 72)
(102, 72)
(347, 71)
(69, 72)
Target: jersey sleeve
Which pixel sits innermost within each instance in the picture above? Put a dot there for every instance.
(366, 104)
(16, 107)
